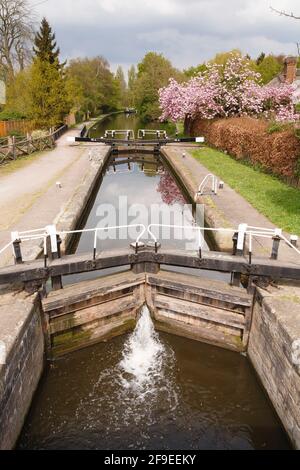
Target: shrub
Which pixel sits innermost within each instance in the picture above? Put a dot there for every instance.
(15, 134)
(276, 127)
(11, 116)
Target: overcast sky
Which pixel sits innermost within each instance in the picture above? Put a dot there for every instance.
(186, 31)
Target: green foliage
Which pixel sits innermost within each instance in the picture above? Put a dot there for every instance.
(15, 134)
(153, 73)
(222, 57)
(297, 168)
(132, 76)
(268, 67)
(43, 92)
(50, 96)
(96, 88)
(270, 196)
(260, 58)
(121, 86)
(45, 46)
(194, 71)
(18, 97)
(297, 132)
(79, 116)
(11, 116)
(276, 127)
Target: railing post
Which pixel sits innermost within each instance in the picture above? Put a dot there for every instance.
(294, 240)
(238, 239)
(234, 241)
(241, 239)
(53, 253)
(276, 243)
(17, 247)
(52, 248)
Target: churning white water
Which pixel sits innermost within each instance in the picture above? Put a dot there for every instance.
(143, 355)
(138, 388)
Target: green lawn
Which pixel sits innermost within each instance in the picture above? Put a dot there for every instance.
(276, 200)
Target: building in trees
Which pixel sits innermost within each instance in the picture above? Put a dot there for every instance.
(290, 75)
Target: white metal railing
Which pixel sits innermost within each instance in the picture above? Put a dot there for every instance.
(188, 227)
(214, 185)
(128, 133)
(5, 247)
(96, 230)
(53, 234)
(242, 234)
(142, 133)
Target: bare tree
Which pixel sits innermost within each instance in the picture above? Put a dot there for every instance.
(16, 33)
(289, 15)
(284, 13)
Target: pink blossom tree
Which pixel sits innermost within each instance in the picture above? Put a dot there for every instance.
(225, 91)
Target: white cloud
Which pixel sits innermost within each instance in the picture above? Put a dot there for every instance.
(186, 31)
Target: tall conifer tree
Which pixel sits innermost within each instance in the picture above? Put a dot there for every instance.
(45, 47)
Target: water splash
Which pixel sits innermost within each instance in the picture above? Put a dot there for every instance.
(140, 386)
(143, 356)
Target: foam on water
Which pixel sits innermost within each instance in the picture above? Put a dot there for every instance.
(143, 355)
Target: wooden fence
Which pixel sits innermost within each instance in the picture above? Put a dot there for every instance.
(14, 148)
(23, 126)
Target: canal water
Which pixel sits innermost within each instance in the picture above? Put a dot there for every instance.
(122, 121)
(138, 189)
(148, 390)
(151, 391)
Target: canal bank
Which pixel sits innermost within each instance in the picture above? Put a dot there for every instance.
(226, 209)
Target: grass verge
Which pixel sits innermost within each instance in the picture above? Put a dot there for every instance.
(276, 200)
(19, 163)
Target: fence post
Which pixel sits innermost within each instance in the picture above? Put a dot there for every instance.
(29, 143)
(14, 147)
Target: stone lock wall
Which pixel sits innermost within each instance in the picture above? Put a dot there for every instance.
(21, 361)
(273, 343)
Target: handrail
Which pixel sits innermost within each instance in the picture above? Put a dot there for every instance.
(186, 227)
(98, 229)
(204, 181)
(5, 247)
(243, 231)
(157, 132)
(111, 132)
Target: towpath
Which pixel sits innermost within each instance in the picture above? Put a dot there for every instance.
(228, 208)
(29, 195)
